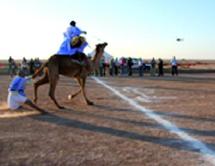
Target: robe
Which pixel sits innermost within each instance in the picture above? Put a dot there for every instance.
(65, 48)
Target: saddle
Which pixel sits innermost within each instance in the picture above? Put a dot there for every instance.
(77, 41)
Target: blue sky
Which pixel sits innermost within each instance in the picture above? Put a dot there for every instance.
(136, 28)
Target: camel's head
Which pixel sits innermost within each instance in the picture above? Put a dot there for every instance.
(99, 53)
(100, 47)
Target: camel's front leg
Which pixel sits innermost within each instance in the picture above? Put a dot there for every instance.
(82, 85)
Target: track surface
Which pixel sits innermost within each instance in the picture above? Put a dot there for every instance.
(112, 132)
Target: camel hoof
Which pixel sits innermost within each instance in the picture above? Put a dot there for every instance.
(90, 103)
(70, 97)
(44, 113)
(61, 107)
(35, 101)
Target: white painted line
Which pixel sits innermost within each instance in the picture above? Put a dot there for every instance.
(207, 153)
(143, 97)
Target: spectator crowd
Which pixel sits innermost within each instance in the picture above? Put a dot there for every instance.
(115, 67)
(28, 67)
(130, 66)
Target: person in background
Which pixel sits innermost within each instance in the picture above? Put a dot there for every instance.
(31, 66)
(112, 67)
(10, 60)
(102, 67)
(153, 67)
(140, 66)
(123, 66)
(12, 67)
(116, 67)
(160, 67)
(130, 64)
(24, 66)
(174, 66)
(16, 93)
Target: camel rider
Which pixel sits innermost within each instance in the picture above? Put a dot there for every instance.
(73, 42)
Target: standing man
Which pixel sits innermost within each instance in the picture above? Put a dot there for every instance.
(153, 67)
(160, 67)
(174, 66)
(140, 66)
(129, 64)
(12, 67)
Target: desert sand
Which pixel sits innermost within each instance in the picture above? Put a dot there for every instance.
(112, 131)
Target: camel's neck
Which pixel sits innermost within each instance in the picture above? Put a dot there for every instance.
(96, 59)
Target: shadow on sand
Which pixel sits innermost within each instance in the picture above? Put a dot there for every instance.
(168, 142)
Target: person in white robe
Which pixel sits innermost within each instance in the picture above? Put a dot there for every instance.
(72, 35)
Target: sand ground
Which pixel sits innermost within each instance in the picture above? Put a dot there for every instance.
(111, 132)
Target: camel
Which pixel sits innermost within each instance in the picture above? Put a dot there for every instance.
(65, 65)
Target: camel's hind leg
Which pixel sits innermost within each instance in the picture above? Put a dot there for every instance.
(79, 91)
(53, 79)
(82, 84)
(40, 82)
(76, 93)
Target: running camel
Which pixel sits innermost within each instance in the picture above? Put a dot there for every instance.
(64, 65)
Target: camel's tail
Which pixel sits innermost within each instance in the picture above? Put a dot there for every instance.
(39, 70)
